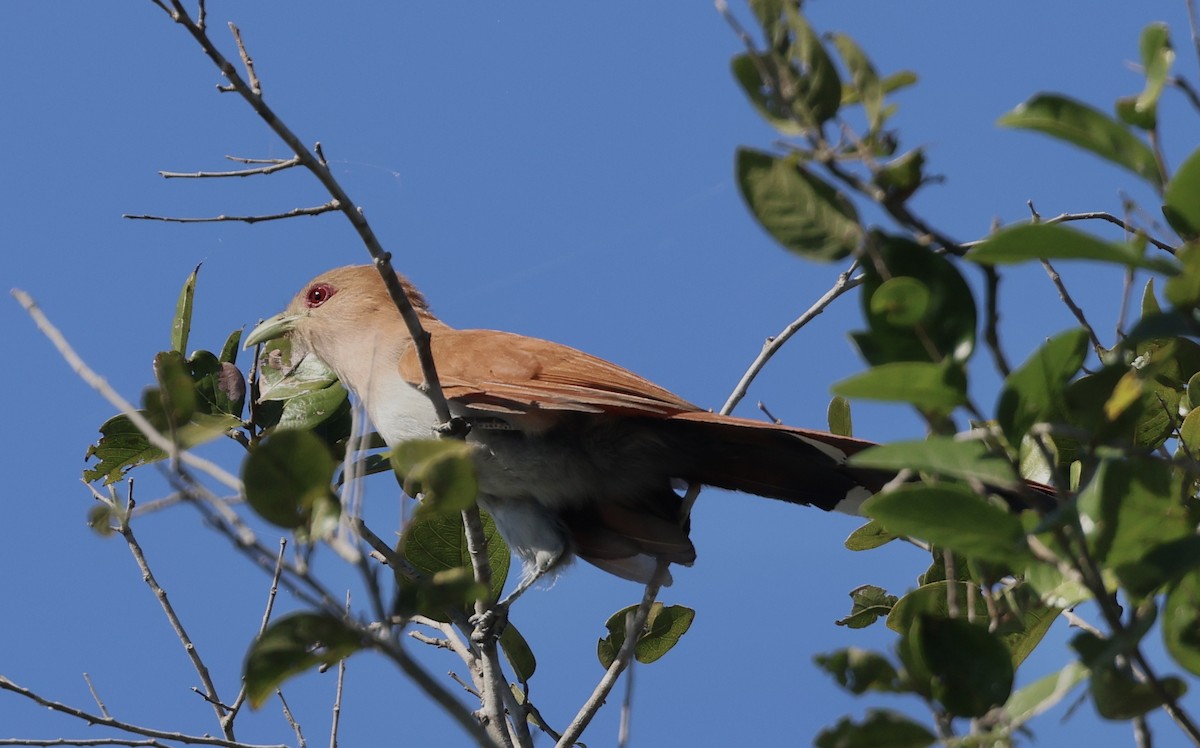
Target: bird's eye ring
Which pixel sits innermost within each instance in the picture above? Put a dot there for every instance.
(317, 295)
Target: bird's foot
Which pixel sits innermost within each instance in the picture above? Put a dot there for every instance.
(490, 624)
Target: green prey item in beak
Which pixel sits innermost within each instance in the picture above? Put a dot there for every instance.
(271, 328)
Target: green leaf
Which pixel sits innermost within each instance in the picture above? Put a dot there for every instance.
(1131, 505)
(881, 728)
(1034, 392)
(291, 645)
(1181, 622)
(931, 599)
(1088, 128)
(838, 416)
(1118, 696)
(819, 88)
(287, 480)
(938, 388)
(764, 95)
(1044, 693)
(440, 470)
(435, 595)
(904, 323)
(220, 387)
(311, 409)
(1157, 56)
(941, 455)
(858, 671)
(435, 543)
(869, 603)
(176, 394)
(800, 211)
(901, 302)
(950, 516)
(870, 535)
(182, 324)
(122, 446)
(971, 670)
(1024, 620)
(901, 176)
(517, 652)
(665, 625)
(1184, 289)
(1181, 200)
(1162, 564)
(1048, 241)
(864, 80)
(233, 344)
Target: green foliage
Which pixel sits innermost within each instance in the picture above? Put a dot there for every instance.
(440, 471)
(802, 212)
(664, 627)
(196, 400)
(291, 645)
(287, 482)
(1117, 443)
(435, 543)
(1081, 125)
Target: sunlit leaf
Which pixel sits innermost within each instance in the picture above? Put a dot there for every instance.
(941, 455)
(1047, 241)
(1181, 201)
(1088, 128)
(181, 325)
(800, 211)
(938, 388)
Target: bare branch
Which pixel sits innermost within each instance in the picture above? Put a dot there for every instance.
(1056, 279)
(271, 165)
(210, 690)
(255, 85)
(843, 284)
(315, 210)
(95, 696)
(96, 719)
(624, 655)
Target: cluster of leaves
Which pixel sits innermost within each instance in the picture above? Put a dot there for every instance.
(1113, 515)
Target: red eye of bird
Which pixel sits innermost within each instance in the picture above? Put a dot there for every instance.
(318, 295)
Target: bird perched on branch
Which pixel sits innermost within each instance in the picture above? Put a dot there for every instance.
(574, 455)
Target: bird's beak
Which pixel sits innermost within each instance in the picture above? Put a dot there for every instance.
(269, 329)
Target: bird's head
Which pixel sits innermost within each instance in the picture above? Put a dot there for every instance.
(342, 315)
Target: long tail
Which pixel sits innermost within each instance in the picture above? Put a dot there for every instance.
(779, 462)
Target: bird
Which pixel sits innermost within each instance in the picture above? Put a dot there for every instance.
(575, 456)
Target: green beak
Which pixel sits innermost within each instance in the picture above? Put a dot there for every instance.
(269, 329)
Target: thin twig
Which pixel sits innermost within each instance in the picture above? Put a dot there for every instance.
(83, 742)
(95, 696)
(315, 210)
(318, 166)
(210, 689)
(255, 85)
(843, 284)
(262, 626)
(337, 698)
(291, 720)
(96, 719)
(1056, 279)
(272, 165)
(623, 656)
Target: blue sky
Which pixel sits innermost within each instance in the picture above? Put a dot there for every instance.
(552, 169)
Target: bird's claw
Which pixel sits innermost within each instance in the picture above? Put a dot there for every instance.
(490, 624)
